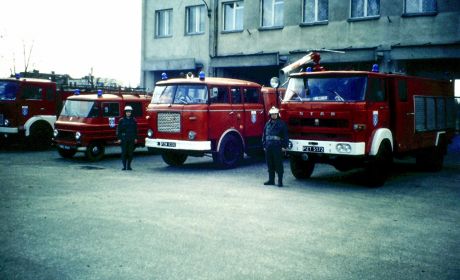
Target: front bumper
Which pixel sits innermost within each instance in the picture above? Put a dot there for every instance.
(329, 147)
(183, 145)
(9, 130)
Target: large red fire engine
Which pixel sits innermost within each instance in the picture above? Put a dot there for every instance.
(28, 107)
(199, 116)
(364, 119)
(88, 122)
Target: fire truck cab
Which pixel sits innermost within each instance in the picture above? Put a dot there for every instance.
(88, 122)
(28, 108)
(365, 119)
(199, 116)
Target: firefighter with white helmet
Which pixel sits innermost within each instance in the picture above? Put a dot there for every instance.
(275, 141)
(127, 137)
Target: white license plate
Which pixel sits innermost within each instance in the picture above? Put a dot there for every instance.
(65, 147)
(167, 144)
(313, 149)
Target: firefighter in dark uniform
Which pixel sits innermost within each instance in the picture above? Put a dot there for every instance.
(127, 137)
(275, 141)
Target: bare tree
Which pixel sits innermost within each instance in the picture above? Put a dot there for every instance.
(27, 59)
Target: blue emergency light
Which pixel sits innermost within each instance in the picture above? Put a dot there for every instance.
(76, 92)
(17, 75)
(201, 75)
(99, 92)
(164, 76)
(309, 69)
(375, 68)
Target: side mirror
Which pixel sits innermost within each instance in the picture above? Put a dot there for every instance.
(275, 82)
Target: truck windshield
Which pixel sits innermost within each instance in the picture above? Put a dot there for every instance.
(8, 90)
(334, 89)
(180, 94)
(80, 108)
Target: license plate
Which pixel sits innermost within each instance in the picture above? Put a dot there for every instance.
(167, 144)
(313, 149)
(65, 147)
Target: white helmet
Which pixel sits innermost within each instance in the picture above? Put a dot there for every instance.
(128, 108)
(274, 110)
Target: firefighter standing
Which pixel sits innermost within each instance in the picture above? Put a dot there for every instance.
(275, 141)
(127, 137)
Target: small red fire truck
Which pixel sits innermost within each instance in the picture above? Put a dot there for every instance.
(200, 116)
(28, 107)
(88, 122)
(365, 119)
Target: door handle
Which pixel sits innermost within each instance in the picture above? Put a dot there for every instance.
(410, 114)
(231, 113)
(42, 109)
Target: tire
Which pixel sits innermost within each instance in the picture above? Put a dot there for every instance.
(379, 168)
(301, 169)
(95, 151)
(173, 158)
(230, 153)
(67, 153)
(40, 136)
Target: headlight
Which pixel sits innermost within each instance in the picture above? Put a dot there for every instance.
(77, 135)
(290, 145)
(6, 122)
(150, 133)
(55, 132)
(343, 148)
(191, 135)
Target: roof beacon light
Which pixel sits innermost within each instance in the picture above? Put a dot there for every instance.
(17, 76)
(201, 75)
(99, 92)
(76, 92)
(375, 68)
(164, 76)
(309, 69)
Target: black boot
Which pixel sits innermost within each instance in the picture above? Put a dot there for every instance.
(280, 181)
(271, 179)
(124, 164)
(129, 165)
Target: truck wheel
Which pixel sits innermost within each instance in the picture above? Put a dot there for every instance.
(40, 136)
(95, 151)
(301, 169)
(173, 158)
(230, 152)
(67, 153)
(379, 168)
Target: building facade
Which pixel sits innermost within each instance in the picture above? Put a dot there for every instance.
(254, 39)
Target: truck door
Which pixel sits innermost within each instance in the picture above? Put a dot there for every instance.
(254, 115)
(403, 116)
(220, 112)
(33, 102)
(377, 104)
(237, 118)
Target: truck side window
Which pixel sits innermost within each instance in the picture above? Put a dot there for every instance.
(402, 90)
(236, 95)
(32, 93)
(375, 90)
(219, 95)
(110, 109)
(251, 95)
(137, 108)
(50, 94)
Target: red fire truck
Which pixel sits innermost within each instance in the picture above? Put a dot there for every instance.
(365, 119)
(88, 122)
(28, 107)
(201, 116)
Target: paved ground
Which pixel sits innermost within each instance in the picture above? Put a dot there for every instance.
(71, 219)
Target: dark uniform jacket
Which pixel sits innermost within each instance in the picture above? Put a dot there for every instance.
(275, 133)
(127, 129)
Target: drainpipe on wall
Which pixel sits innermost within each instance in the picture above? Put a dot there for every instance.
(213, 32)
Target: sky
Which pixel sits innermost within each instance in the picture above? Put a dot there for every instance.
(72, 37)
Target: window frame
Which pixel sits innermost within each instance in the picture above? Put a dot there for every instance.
(316, 13)
(157, 23)
(419, 13)
(199, 18)
(365, 12)
(273, 4)
(234, 16)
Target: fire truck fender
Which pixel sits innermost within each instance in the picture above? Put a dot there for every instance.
(380, 135)
(439, 136)
(49, 119)
(227, 132)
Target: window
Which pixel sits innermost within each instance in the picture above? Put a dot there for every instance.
(251, 95)
(272, 13)
(50, 94)
(420, 6)
(32, 92)
(365, 8)
(233, 16)
(236, 95)
(195, 17)
(315, 11)
(163, 23)
(375, 90)
(219, 95)
(402, 90)
(110, 109)
(137, 108)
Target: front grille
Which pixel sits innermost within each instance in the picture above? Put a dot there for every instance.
(315, 122)
(66, 135)
(2, 120)
(168, 122)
